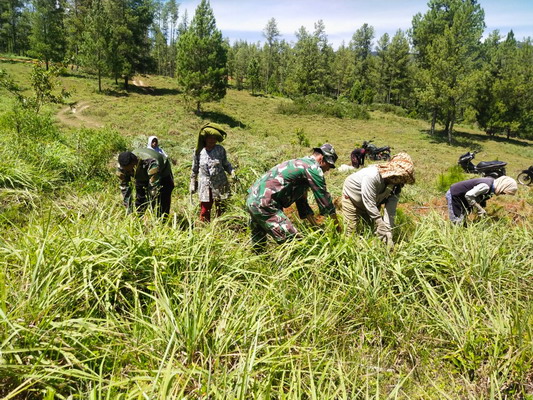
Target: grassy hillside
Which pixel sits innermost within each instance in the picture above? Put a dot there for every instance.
(96, 304)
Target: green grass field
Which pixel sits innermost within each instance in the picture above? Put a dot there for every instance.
(96, 304)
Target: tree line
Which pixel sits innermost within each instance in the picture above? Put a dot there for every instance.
(441, 69)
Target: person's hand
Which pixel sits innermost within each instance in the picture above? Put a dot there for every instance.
(481, 212)
(384, 232)
(234, 176)
(193, 187)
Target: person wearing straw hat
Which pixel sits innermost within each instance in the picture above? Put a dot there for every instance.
(365, 191)
(285, 184)
(209, 168)
(463, 197)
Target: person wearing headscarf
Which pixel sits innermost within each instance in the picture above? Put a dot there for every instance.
(463, 197)
(153, 143)
(209, 171)
(365, 191)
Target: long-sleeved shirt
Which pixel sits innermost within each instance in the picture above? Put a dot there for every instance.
(152, 167)
(288, 183)
(465, 193)
(368, 190)
(476, 192)
(210, 168)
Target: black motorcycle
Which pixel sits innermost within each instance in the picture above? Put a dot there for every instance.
(376, 153)
(493, 169)
(526, 176)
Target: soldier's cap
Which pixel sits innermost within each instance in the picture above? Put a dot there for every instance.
(328, 152)
(126, 158)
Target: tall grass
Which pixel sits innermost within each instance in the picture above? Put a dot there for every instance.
(103, 305)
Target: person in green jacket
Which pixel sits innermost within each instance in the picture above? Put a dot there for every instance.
(153, 178)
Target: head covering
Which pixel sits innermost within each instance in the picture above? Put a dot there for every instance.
(400, 166)
(505, 185)
(327, 150)
(156, 148)
(126, 158)
(150, 140)
(209, 129)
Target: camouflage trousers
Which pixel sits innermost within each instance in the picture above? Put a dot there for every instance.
(268, 221)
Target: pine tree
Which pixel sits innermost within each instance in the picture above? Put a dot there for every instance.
(48, 31)
(363, 87)
(271, 34)
(447, 42)
(343, 70)
(202, 58)
(394, 72)
(253, 73)
(94, 46)
(129, 44)
(305, 73)
(75, 23)
(14, 26)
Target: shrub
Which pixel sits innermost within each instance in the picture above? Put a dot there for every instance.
(30, 125)
(321, 105)
(389, 108)
(302, 138)
(453, 175)
(94, 148)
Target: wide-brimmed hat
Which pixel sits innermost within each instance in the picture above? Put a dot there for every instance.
(400, 166)
(327, 150)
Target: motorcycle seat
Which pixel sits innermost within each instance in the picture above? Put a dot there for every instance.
(380, 149)
(491, 164)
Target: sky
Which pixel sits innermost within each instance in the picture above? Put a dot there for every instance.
(246, 19)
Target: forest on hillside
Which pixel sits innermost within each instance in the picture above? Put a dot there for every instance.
(440, 70)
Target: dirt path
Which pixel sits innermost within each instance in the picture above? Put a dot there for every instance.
(73, 116)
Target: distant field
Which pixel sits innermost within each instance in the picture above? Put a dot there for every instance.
(96, 304)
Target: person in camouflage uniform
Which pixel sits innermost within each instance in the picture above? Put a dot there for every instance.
(285, 184)
(153, 180)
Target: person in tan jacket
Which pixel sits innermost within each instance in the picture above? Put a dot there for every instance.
(365, 191)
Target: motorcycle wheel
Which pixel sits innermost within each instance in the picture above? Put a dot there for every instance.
(524, 178)
(385, 156)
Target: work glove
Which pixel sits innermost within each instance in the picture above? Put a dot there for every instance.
(384, 232)
(480, 210)
(193, 187)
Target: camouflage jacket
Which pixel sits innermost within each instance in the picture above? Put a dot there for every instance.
(289, 182)
(152, 167)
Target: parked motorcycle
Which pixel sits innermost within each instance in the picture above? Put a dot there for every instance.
(526, 176)
(493, 169)
(376, 153)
